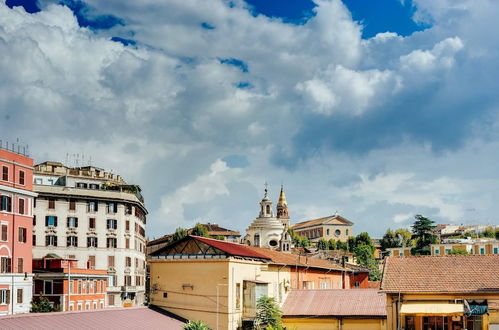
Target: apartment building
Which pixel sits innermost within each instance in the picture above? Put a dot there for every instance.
(68, 287)
(477, 246)
(93, 216)
(16, 218)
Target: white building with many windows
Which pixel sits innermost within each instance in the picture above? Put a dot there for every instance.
(93, 216)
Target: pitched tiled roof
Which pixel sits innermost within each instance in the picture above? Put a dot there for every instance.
(296, 260)
(458, 273)
(111, 318)
(212, 228)
(354, 302)
(309, 223)
(231, 248)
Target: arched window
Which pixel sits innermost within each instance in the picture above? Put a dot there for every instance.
(268, 209)
(257, 240)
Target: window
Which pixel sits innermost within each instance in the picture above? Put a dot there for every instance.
(238, 295)
(93, 206)
(34, 220)
(127, 243)
(5, 173)
(71, 286)
(51, 203)
(93, 186)
(21, 177)
(72, 241)
(5, 265)
(110, 261)
(81, 185)
(112, 208)
(72, 222)
(437, 251)
(337, 232)
(19, 296)
(38, 181)
(91, 262)
(482, 250)
(110, 301)
(327, 232)
(79, 286)
(136, 262)
(20, 265)
(51, 220)
(112, 224)
(21, 206)
(91, 223)
(323, 285)
(128, 280)
(111, 242)
(4, 297)
(357, 284)
(4, 232)
(410, 323)
(6, 203)
(346, 232)
(92, 242)
(137, 280)
(34, 240)
(127, 225)
(72, 205)
(475, 322)
(496, 250)
(128, 262)
(22, 234)
(48, 287)
(51, 240)
(128, 209)
(257, 240)
(435, 322)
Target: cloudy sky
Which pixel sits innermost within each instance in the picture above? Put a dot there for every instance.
(378, 110)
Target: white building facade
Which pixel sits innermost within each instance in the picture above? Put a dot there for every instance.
(95, 217)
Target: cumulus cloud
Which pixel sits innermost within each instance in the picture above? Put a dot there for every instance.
(336, 117)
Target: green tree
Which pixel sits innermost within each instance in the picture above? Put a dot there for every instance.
(458, 252)
(322, 244)
(351, 243)
(341, 245)
(196, 325)
(365, 257)
(302, 241)
(497, 233)
(423, 235)
(331, 244)
(199, 230)
(488, 232)
(405, 238)
(178, 235)
(268, 315)
(363, 239)
(389, 240)
(41, 305)
(218, 237)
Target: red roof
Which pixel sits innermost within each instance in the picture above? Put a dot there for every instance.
(451, 273)
(354, 302)
(231, 248)
(111, 318)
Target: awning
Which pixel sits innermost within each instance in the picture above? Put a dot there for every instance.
(432, 308)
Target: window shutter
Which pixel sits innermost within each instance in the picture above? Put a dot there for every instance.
(55, 240)
(68, 222)
(7, 297)
(20, 265)
(76, 222)
(55, 221)
(4, 232)
(47, 240)
(46, 221)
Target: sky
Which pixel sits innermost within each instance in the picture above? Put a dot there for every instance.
(378, 110)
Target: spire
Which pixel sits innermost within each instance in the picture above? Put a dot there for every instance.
(266, 205)
(282, 206)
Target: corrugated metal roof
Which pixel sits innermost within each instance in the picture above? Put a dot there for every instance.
(122, 318)
(352, 302)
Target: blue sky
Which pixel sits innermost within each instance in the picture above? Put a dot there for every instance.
(360, 107)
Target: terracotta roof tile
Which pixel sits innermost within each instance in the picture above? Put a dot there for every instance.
(121, 318)
(458, 273)
(354, 302)
(296, 260)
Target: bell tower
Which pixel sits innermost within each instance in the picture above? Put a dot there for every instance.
(282, 208)
(266, 205)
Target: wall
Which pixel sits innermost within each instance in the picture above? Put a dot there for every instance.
(333, 279)
(335, 323)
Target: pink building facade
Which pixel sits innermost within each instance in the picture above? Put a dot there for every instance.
(16, 226)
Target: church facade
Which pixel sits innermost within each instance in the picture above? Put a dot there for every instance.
(269, 231)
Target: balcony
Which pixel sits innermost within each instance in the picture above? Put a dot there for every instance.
(128, 288)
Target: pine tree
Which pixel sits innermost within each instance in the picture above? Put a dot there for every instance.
(422, 234)
(268, 314)
(41, 305)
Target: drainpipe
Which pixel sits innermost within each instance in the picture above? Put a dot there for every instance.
(12, 208)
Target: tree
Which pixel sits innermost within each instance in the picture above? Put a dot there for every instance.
(196, 325)
(341, 245)
(302, 241)
(178, 235)
(268, 314)
(389, 240)
(363, 239)
(365, 257)
(404, 237)
(497, 233)
(331, 244)
(423, 235)
(218, 237)
(488, 232)
(41, 305)
(322, 244)
(351, 244)
(199, 230)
